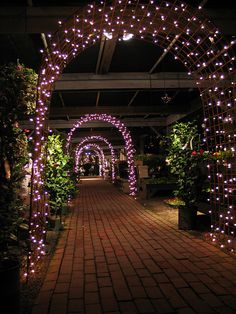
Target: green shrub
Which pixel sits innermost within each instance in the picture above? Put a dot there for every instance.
(59, 179)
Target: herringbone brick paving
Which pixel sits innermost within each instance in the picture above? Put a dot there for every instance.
(117, 257)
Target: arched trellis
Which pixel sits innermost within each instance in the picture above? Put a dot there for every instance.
(98, 138)
(127, 138)
(98, 151)
(190, 37)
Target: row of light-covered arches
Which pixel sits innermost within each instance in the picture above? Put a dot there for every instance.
(187, 34)
(97, 149)
(95, 138)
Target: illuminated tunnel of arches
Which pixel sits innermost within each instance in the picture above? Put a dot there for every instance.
(102, 139)
(191, 38)
(97, 149)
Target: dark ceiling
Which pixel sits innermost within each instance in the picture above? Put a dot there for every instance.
(140, 105)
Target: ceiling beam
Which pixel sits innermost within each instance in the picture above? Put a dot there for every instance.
(155, 131)
(129, 80)
(75, 112)
(193, 106)
(62, 100)
(106, 51)
(112, 134)
(44, 19)
(97, 98)
(103, 147)
(100, 53)
(174, 118)
(133, 98)
(114, 140)
(63, 105)
(63, 124)
(157, 63)
(99, 60)
(166, 51)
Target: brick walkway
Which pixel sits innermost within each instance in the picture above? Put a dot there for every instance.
(117, 257)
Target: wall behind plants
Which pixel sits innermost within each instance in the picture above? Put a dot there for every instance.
(60, 180)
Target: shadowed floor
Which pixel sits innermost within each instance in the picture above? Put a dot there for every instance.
(117, 257)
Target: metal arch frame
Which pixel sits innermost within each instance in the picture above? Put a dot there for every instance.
(198, 45)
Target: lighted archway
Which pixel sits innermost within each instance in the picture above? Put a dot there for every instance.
(81, 151)
(99, 152)
(102, 170)
(103, 139)
(127, 138)
(190, 37)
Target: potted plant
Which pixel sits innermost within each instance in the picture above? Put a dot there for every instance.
(184, 158)
(17, 97)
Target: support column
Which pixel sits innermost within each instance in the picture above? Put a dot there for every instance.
(141, 143)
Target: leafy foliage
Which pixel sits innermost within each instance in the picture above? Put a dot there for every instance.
(174, 202)
(151, 160)
(157, 166)
(184, 164)
(60, 181)
(161, 180)
(17, 98)
(18, 86)
(12, 210)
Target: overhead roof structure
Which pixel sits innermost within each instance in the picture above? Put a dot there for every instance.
(127, 79)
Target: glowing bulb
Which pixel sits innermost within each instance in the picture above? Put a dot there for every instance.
(127, 36)
(108, 35)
